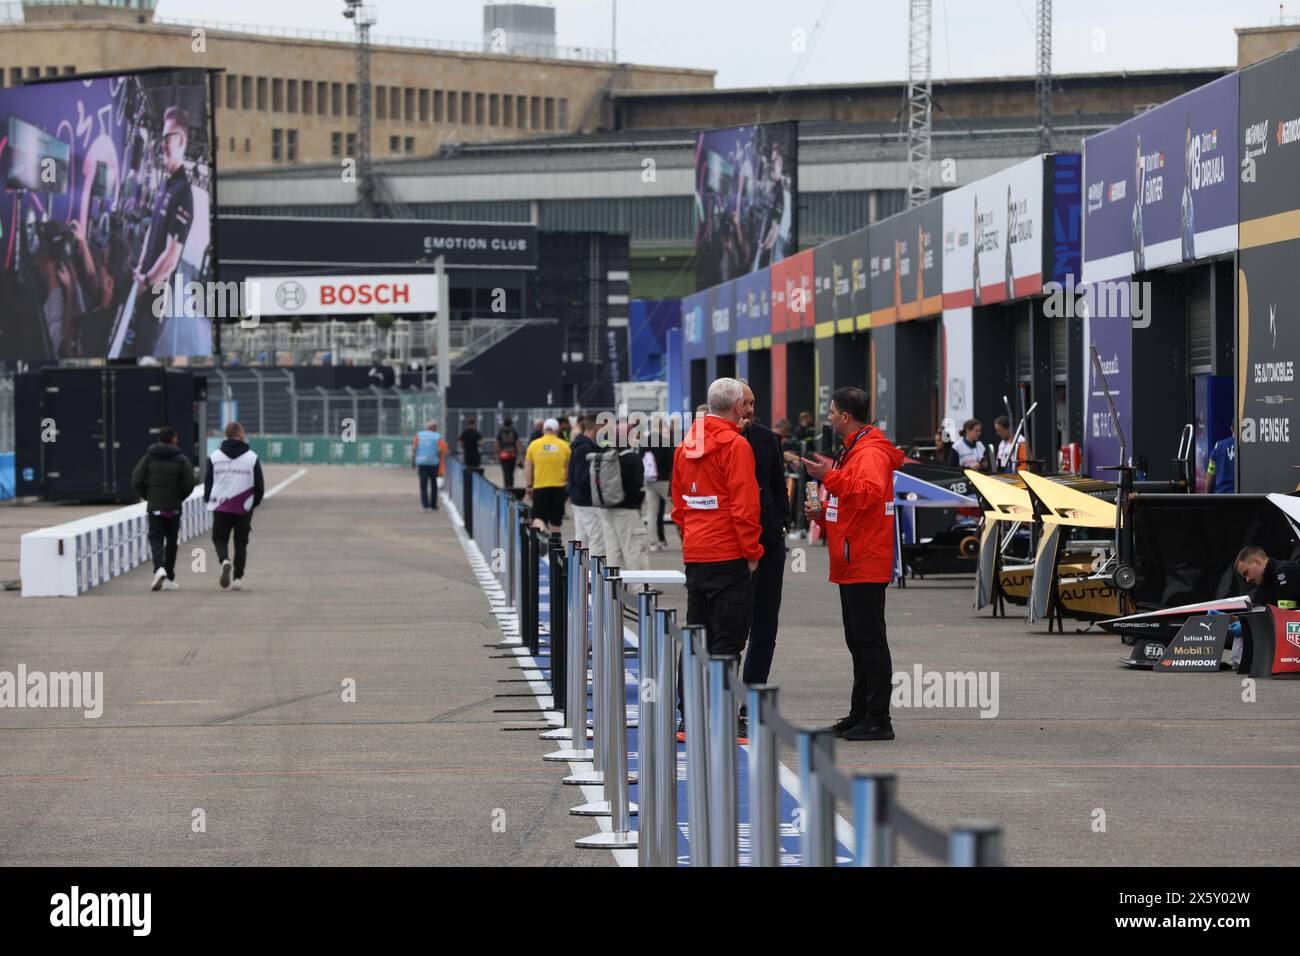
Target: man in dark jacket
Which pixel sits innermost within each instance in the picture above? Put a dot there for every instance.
(587, 527)
(233, 487)
(164, 478)
(774, 516)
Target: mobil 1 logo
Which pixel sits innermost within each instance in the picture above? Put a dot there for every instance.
(1198, 646)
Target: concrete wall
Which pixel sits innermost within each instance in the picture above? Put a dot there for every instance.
(1260, 43)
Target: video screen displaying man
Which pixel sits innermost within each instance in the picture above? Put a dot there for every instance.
(106, 213)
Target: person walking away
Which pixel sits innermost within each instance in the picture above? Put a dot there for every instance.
(587, 528)
(859, 523)
(658, 465)
(617, 490)
(546, 470)
(471, 443)
(427, 452)
(232, 488)
(164, 478)
(507, 451)
(716, 504)
(774, 517)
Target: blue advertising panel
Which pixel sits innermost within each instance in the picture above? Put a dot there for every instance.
(1161, 188)
(721, 302)
(648, 322)
(1067, 217)
(753, 311)
(678, 381)
(694, 322)
(1113, 337)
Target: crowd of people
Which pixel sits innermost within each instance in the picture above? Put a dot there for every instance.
(725, 485)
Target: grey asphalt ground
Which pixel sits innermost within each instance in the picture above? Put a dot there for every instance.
(231, 702)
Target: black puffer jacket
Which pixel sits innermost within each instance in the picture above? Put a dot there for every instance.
(164, 477)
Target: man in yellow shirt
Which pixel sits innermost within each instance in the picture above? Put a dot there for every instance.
(546, 470)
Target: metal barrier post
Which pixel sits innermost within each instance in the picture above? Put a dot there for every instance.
(575, 631)
(665, 731)
(818, 802)
(697, 765)
(559, 616)
(722, 761)
(874, 839)
(620, 835)
(467, 499)
(764, 798)
(533, 636)
(647, 697)
(975, 843)
(595, 776)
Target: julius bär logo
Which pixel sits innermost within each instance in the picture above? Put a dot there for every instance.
(1293, 633)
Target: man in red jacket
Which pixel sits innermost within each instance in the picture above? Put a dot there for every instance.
(716, 506)
(858, 520)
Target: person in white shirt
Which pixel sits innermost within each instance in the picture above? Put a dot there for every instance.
(968, 451)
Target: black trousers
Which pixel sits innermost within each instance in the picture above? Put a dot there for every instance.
(508, 473)
(428, 485)
(163, 536)
(768, 580)
(719, 596)
(863, 609)
(223, 523)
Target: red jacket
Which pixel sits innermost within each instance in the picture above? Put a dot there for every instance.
(715, 496)
(858, 515)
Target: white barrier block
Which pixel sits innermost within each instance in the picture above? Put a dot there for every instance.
(69, 559)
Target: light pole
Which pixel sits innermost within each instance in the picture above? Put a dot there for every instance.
(363, 18)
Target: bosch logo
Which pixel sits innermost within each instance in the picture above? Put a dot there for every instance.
(290, 295)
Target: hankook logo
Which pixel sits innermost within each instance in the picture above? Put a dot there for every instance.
(1288, 131)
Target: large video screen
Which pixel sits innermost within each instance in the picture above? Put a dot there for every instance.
(746, 200)
(105, 204)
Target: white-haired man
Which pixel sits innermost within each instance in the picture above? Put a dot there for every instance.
(717, 507)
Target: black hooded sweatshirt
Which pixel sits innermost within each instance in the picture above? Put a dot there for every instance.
(164, 478)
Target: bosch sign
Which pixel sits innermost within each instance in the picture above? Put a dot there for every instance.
(341, 295)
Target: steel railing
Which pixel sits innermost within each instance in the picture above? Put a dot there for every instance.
(589, 603)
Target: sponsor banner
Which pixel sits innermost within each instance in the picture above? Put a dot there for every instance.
(1198, 646)
(1066, 247)
(958, 364)
(720, 319)
(840, 284)
(746, 200)
(793, 302)
(1269, 146)
(268, 243)
(993, 237)
(340, 295)
(1268, 282)
(1113, 337)
(694, 322)
(905, 264)
(754, 305)
(1286, 641)
(1268, 348)
(1162, 188)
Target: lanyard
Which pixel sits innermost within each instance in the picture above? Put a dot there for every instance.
(848, 445)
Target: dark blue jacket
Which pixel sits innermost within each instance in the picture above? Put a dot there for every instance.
(769, 470)
(580, 471)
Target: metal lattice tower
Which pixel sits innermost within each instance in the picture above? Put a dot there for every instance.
(1043, 76)
(919, 103)
(363, 18)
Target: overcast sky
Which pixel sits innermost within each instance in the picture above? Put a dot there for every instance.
(750, 42)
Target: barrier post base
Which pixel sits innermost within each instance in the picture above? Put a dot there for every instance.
(608, 841)
(564, 756)
(598, 808)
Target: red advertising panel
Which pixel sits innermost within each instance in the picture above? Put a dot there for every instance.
(793, 305)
